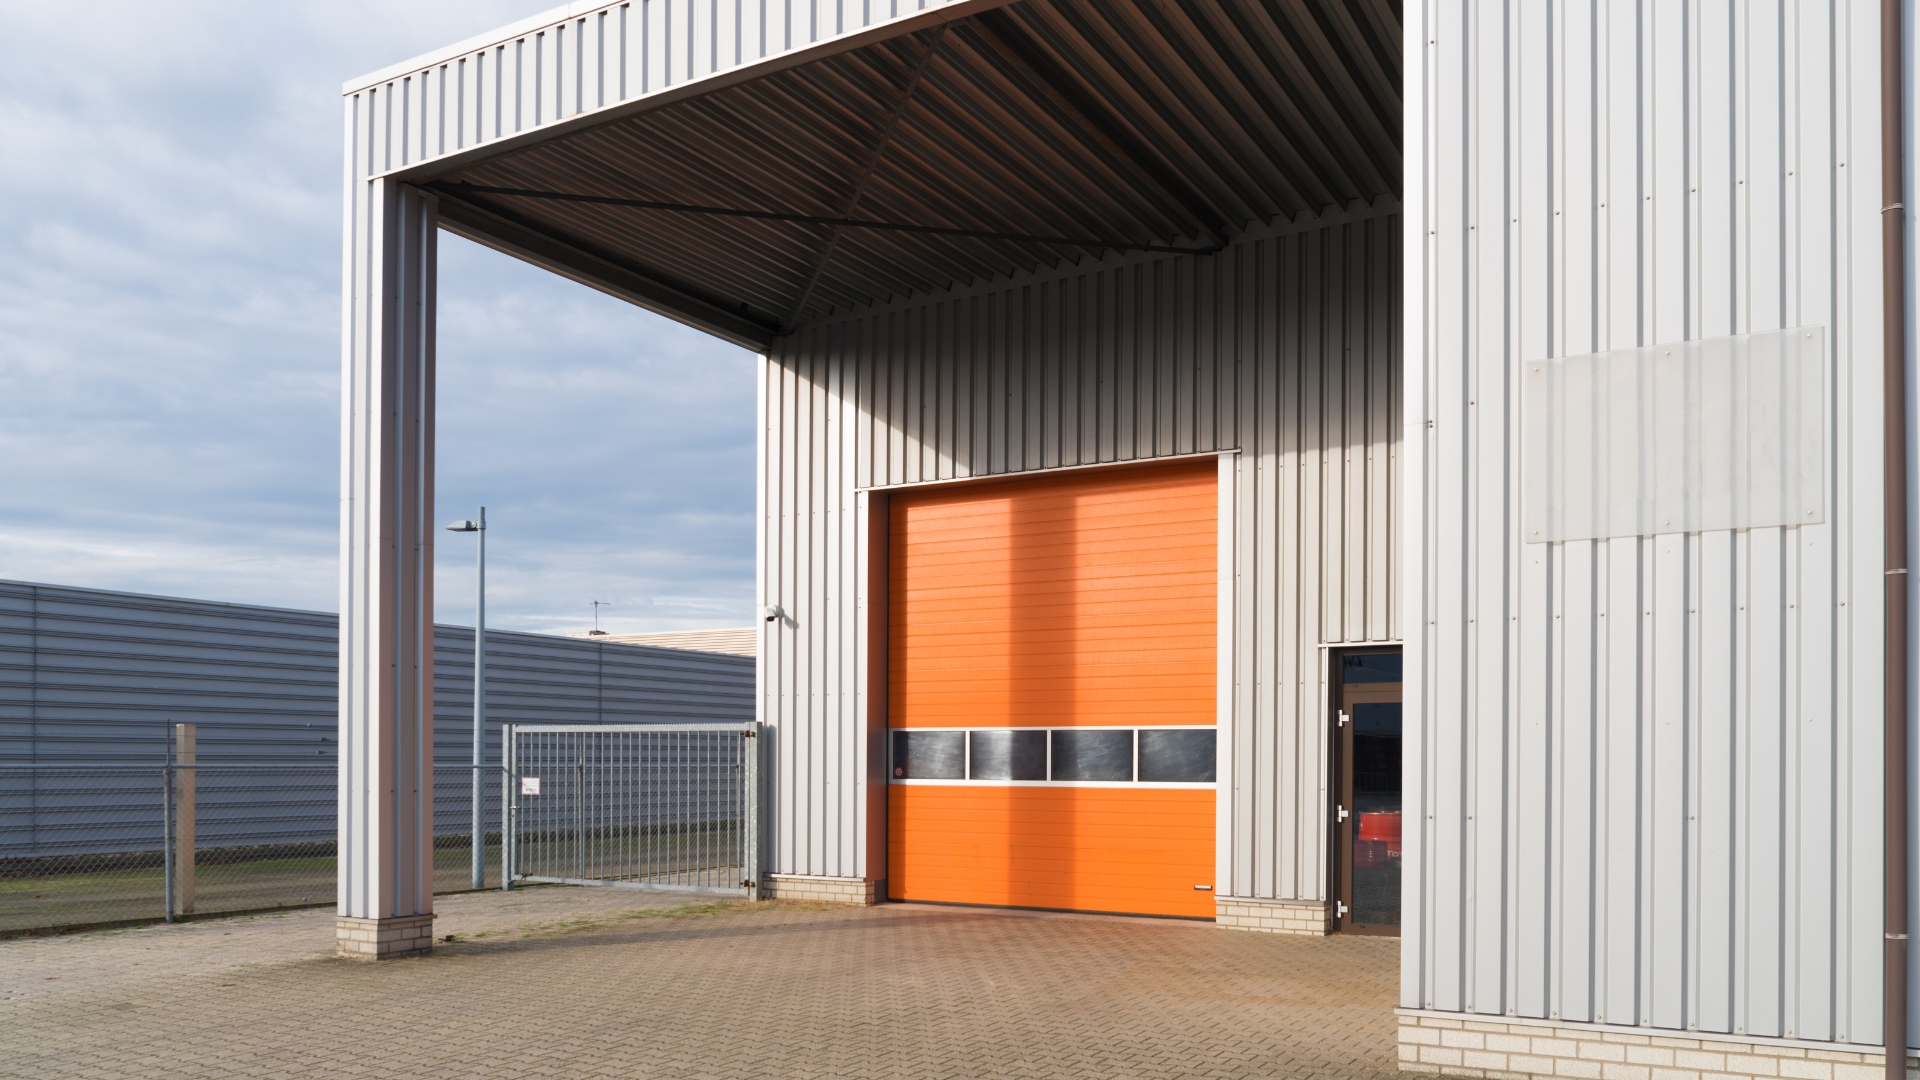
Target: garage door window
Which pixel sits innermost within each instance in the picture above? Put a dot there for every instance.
(1177, 756)
(1008, 755)
(930, 755)
(1182, 755)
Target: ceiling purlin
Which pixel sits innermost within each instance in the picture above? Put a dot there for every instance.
(1269, 107)
(1302, 53)
(752, 261)
(975, 163)
(1052, 89)
(1068, 154)
(545, 227)
(1365, 34)
(1080, 45)
(1209, 127)
(859, 186)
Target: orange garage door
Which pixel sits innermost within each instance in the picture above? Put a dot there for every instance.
(1051, 683)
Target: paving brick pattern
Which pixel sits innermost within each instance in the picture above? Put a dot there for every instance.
(572, 982)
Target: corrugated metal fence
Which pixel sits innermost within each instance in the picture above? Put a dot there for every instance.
(95, 677)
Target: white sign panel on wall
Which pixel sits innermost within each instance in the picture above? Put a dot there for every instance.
(1721, 433)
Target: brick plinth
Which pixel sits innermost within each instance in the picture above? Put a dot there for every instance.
(384, 939)
(1305, 917)
(831, 890)
(1467, 1045)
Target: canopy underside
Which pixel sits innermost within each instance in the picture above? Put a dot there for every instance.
(1013, 139)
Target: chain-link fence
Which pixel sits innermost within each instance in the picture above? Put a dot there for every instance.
(88, 845)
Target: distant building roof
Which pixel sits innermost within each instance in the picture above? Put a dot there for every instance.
(743, 641)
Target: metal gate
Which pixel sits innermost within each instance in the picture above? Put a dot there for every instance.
(645, 806)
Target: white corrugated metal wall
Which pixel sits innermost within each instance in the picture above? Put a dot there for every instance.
(1650, 767)
(577, 59)
(1284, 347)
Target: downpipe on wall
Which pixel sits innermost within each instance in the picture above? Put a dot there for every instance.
(1893, 221)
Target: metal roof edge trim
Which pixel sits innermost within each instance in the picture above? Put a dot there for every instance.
(499, 35)
(949, 11)
(1358, 210)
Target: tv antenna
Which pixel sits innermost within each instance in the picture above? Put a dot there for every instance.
(596, 631)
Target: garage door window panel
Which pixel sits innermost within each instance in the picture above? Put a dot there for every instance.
(1094, 754)
(1177, 756)
(1008, 755)
(930, 755)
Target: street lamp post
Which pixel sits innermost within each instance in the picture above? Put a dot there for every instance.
(479, 693)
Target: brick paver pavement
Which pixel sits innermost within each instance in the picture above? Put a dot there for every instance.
(576, 982)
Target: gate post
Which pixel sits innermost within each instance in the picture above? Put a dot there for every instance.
(509, 805)
(752, 855)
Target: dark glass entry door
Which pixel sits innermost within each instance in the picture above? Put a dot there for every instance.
(1366, 812)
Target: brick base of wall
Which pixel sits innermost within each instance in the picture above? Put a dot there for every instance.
(830, 890)
(384, 939)
(1271, 916)
(1456, 1045)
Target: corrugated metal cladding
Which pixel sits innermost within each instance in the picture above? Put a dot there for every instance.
(1650, 767)
(94, 676)
(1283, 347)
(579, 58)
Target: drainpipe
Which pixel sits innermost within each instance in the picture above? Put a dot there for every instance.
(1893, 273)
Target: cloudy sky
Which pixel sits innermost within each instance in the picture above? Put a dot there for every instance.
(169, 341)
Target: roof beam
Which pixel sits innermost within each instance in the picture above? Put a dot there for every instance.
(570, 257)
(464, 191)
(866, 174)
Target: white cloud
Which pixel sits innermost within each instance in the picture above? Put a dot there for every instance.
(169, 354)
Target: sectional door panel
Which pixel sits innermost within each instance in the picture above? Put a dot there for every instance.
(1051, 683)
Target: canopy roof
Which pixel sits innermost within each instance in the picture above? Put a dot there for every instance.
(1012, 138)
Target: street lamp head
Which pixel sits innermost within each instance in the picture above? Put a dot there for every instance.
(464, 526)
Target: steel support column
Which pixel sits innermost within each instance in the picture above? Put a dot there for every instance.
(386, 567)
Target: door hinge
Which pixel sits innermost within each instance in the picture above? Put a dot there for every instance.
(1339, 910)
(1343, 812)
(1343, 719)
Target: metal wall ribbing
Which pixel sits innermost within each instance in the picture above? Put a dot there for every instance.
(577, 59)
(1283, 347)
(93, 676)
(1647, 768)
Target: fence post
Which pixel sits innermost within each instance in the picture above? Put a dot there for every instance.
(185, 789)
(166, 829)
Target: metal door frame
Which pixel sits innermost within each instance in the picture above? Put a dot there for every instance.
(1340, 761)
